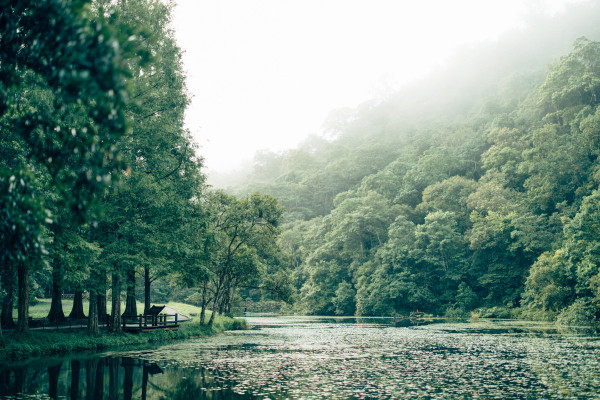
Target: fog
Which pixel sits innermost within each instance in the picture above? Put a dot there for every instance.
(265, 75)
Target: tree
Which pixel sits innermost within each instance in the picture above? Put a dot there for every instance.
(572, 81)
(147, 214)
(434, 165)
(88, 73)
(466, 298)
(581, 245)
(21, 233)
(550, 285)
(36, 41)
(396, 280)
(450, 195)
(348, 237)
(344, 300)
(444, 253)
(244, 231)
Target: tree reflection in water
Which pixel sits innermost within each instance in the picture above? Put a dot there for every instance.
(109, 378)
(53, 374)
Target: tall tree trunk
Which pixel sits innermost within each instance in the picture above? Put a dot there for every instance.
(6, 317)
(230, 302)
(115, 323)
(97, 292)
(103, 316)
(23, 301)
(146, 289)
(224, 300)
(204, 302)
(214, 308)
(101, 295)
(130, 304)
(56, 313)
(77, 310)
(93, 314)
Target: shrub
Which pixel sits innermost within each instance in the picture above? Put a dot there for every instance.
(456, 313)
(495, 312)
(580, 313)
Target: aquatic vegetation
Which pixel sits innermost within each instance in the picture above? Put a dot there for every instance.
(366, 358)
(311, 359)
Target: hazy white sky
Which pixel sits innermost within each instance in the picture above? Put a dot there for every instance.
(264, 74)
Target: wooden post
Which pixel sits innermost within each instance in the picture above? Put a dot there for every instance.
(140, 321)
(175, 318)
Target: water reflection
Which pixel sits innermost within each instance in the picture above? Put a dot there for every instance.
(310, 358)
(110, 378)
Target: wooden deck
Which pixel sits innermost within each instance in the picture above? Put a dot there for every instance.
(147, 323)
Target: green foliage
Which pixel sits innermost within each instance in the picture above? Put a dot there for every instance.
(62, 99)
(242, 246)
(466, 298)
(494, 208)
(495, 312)
(550, 285)
(22, 216)
(85, 77)
(580, 313)
(419, 201)
(455, 313)
(344, 300)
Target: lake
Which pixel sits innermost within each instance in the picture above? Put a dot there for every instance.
(326, 358)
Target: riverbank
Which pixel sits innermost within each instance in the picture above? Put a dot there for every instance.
(15, 346)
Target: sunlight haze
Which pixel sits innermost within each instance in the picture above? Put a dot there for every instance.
(265, 74)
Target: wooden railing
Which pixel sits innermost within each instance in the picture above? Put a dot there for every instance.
(150, 321)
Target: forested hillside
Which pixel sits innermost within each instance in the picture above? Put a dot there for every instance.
(473, 193)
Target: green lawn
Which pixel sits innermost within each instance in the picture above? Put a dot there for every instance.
(17, 346)
(42, 308)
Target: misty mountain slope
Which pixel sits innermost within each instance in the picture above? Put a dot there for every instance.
(494, 209)
(488, 202)
(486, 80)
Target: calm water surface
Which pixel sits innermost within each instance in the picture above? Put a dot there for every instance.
(317, 358)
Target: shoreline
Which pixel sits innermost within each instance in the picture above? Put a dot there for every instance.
(14, 347)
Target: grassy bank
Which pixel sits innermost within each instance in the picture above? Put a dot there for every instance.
(35, 343)
(41, 308)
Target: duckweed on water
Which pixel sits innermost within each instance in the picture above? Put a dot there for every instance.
(295, 359)
(308, 358)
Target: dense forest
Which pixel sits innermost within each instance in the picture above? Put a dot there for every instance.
(101, 187)
(476, 189)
